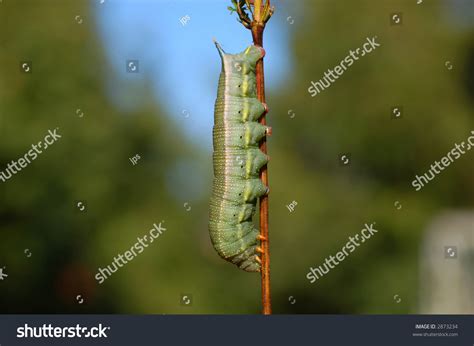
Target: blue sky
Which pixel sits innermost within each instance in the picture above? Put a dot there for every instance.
(178, 59)
(180, 64)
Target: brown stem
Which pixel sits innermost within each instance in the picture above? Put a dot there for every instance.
(261, 14)
(257, 35)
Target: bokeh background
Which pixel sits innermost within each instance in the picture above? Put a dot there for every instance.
(163, 113)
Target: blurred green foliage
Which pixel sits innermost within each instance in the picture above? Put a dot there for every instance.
(91, 163)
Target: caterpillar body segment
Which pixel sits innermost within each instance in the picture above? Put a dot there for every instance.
(241, 163)
(238, 135)
(238, 190)
(229, 212)
(227, 236)
(248, 260)
(237, 160)
(237, 110)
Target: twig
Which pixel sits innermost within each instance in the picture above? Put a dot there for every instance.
(261, 14)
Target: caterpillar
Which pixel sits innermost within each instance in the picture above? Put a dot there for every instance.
(237, 160)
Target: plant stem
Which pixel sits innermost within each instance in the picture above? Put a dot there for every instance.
(257, 28)
(261, 14)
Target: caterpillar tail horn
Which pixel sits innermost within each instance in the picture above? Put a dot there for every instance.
(219, 48)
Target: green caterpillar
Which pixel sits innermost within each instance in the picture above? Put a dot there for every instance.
(237, 160)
